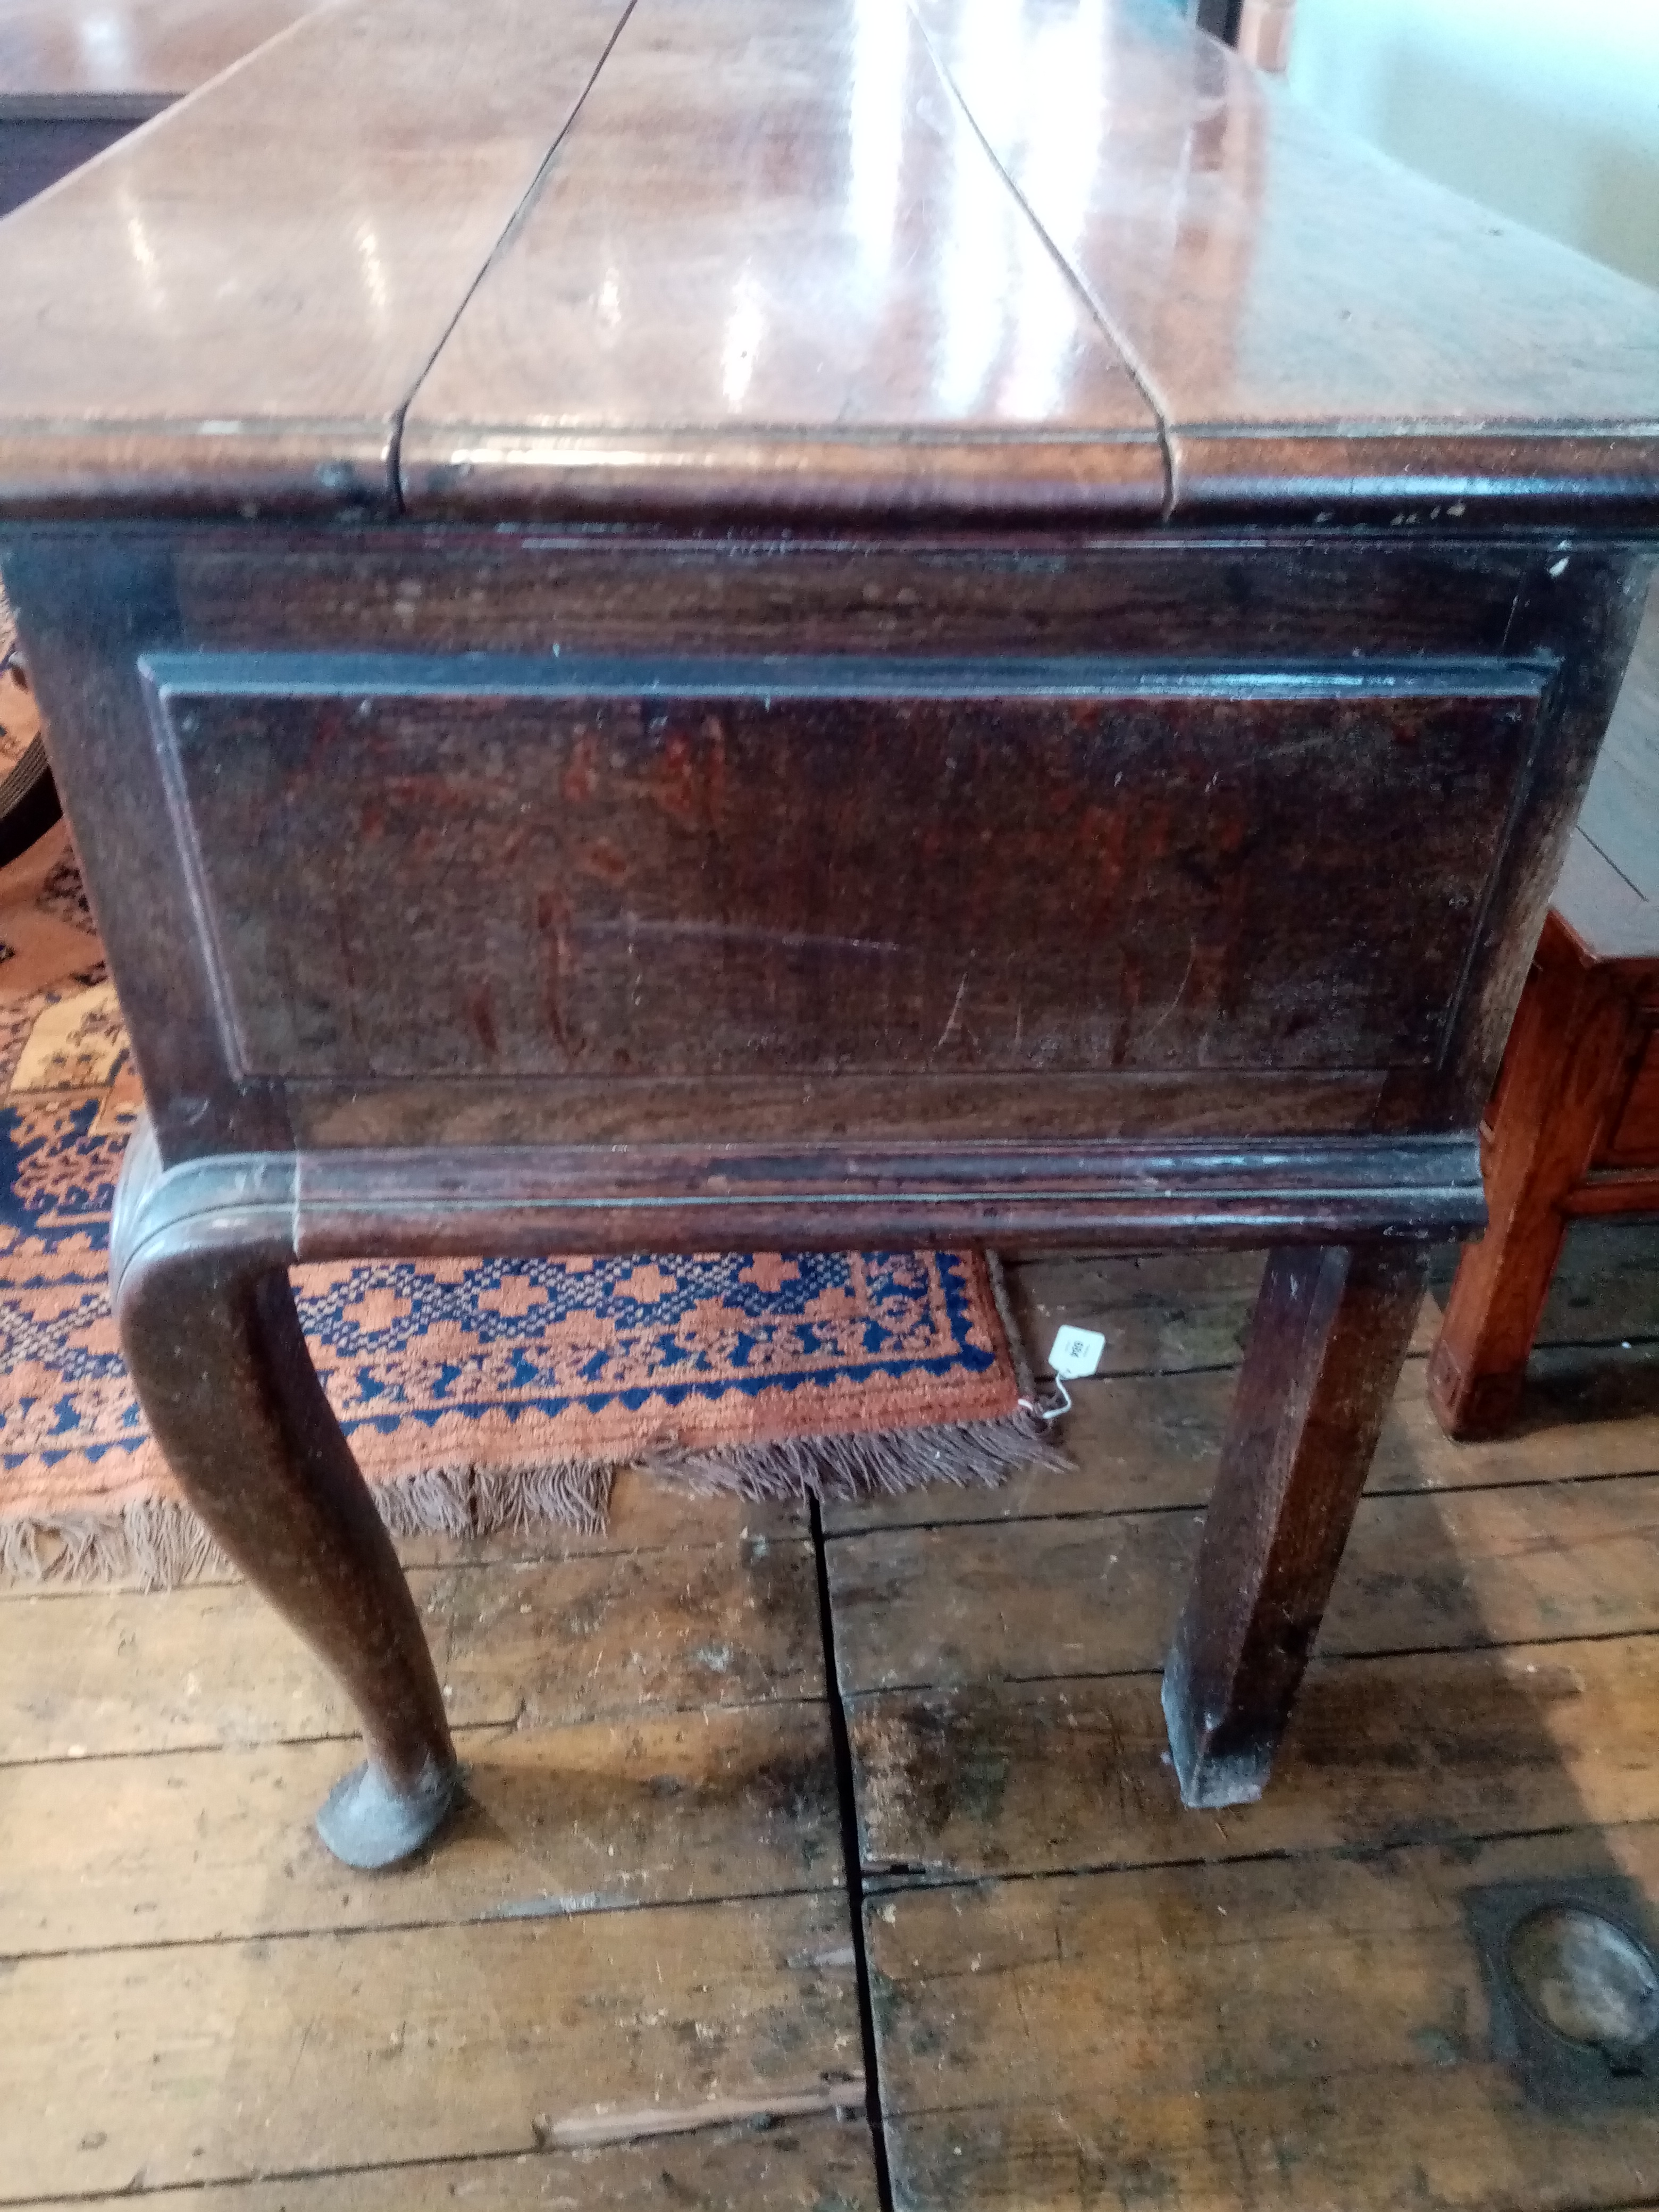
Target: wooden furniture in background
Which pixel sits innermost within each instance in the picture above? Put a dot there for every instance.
(660, 630)
(1573, 1127)
(75, 75)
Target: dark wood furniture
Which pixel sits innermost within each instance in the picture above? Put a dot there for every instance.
(75, 75)
(788, 624)
(1573, 1127)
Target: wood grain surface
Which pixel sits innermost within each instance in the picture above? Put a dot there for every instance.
(646, 1986)
(233, 315)
(954, 263)
(579, 890)
(92, 55)
(655, 1809)
(554, 1641)
(1316, 325)
(1236, 1974)
(773, 264)
(1054, 1776)
(1085, 1994)
(1296, 2035)
(1573, 1123)
(1097, 1595)
(794, 2165)
(408, 2043)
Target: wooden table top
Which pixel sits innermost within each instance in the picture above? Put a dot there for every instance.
(796, 257)
(94, 58)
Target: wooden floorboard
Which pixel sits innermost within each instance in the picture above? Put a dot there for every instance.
(665, 1808)
(628, 1979)
(539, 1641)
(808, 2164)
(1456, 2140)
(1055, 1776)
(211, 2061)
(1098, 1594)
(1306, 2031)
(1085, 1995)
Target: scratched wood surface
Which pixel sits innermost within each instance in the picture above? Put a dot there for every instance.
(637, 1941)
(1300, 2034)
(1083, 1994)
(635, 1945)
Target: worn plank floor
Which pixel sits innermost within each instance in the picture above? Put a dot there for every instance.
(634, 1976)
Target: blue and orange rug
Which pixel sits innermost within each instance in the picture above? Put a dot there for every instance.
(477, 1395)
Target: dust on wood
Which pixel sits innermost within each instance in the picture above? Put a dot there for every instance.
(1460, 2142)
(1177, 2036)
(213, 2062)
(1047, 1778)
(564, 1640)
(1098, 1594)
(814, 2165)
(708, 1778)
(206, 1846)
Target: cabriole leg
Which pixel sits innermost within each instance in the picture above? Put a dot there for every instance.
(209, 1327)
(1330, 1330)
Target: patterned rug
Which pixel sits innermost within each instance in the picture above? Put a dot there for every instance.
(477, 1395)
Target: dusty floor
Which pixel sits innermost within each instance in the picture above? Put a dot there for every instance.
(631, 1977)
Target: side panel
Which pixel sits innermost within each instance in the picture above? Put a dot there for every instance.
(718, 872)
(427, 763)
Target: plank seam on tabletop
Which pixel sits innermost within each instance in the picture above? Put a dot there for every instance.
(514, 223)
(1126, 353)
(157, 104)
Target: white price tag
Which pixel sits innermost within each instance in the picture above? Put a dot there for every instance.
(1075, 1351)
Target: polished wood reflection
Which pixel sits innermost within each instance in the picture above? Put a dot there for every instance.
(774, 259)
(231, 310)
(1313, 321)
(798, 259)
(105, 53)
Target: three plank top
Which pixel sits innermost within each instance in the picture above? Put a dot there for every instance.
(794, 258)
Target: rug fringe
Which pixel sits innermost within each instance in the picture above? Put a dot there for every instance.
(161, 1544)
(882, 1462)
